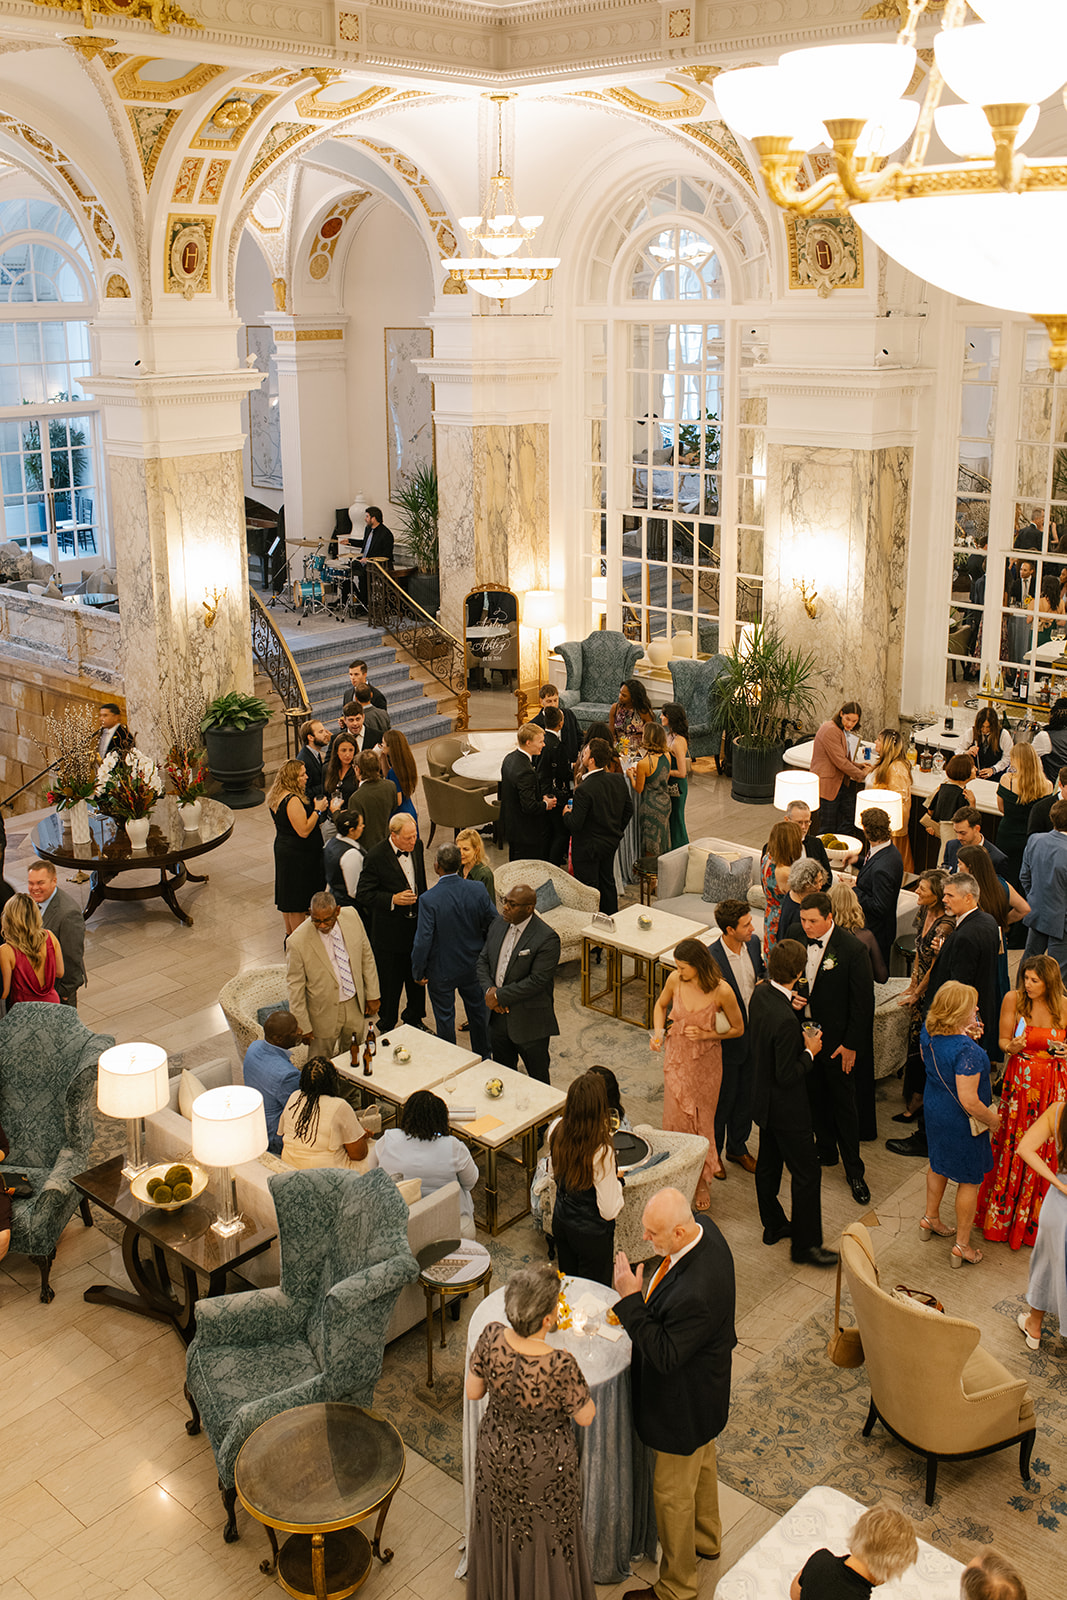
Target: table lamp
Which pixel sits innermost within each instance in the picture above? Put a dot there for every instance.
(539, 611)
(229, 1127)
(887, 800)
(790, 787)
(131, 1082)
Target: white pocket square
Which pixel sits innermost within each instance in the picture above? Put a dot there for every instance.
(524, 952)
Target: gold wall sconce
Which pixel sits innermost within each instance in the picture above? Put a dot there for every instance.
(211, 602)
(809, 595)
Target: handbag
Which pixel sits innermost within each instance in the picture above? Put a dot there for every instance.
(977, 1128)
(845, 1348)
(918, 1297)
(674, 789)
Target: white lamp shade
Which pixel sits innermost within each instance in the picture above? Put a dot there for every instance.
(966, 131)
(888, 131)
(791, 786)
(539, 608)
(887, 800)
(229, 1126)
(988, 65)
(759, 100)
(848, 80)
(131, 1080)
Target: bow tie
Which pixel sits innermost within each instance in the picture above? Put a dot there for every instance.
(818, 942)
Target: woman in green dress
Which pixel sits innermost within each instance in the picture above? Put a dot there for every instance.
(676, 722)
(475, 865)
(649, 778)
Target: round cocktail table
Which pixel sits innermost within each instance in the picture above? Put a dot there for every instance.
(313, 1473)
(448, 1268)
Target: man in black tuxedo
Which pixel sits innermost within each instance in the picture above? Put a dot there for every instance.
(841, 1002)
(967, 826)
(969, 954)
(387, 898)
(783, 1054)
(879, 881)
(555, 776)
(524, 810)
(682, 1331)
(737, 955)
(313, 756)
(597, 818)
(114, 734)
(571, 732)
(517, 975)
(377, 546)
(810, 843)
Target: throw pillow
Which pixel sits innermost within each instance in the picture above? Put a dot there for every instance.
(264, 1011)
(696, 867)
(547, 898)
(726, 880)
(189, 1089)
(410, 1190)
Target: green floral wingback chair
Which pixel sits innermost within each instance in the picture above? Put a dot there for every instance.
(321, 1334)
(692, 682)
(596, 666)
(48, 1060)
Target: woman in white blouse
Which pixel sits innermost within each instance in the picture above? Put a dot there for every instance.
(988, 744)
(588, 1188)
(422, 1147)
(318, 1127)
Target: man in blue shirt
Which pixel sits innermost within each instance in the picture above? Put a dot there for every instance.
(268, 1068)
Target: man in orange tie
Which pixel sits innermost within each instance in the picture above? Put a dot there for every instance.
(682, 1330)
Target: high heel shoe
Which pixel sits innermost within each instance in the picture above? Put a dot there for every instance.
(927, 1229)
(957, 1258)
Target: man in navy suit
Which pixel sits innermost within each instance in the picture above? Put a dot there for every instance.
(879, 880)
(738, 957)
(313, 755)
(517, 975)
(682, 1331)
(454, 918)
(967, 826)
(1044, 883)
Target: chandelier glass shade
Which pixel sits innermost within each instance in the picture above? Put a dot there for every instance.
(957, 226)
(500, 272)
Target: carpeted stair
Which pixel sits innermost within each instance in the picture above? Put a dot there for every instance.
(323, 661)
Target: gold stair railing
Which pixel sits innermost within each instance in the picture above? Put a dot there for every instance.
(430, 645)
(276, 659)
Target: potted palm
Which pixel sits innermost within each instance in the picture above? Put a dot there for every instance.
(764, 684)
(232, 726)
(418, 501)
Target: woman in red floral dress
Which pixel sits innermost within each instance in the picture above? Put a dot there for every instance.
(1033, 1031)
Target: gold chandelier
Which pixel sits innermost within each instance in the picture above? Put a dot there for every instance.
(991, 228)
(499, 272)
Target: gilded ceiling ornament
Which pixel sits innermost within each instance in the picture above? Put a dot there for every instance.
(161, 13)
(189, 255)
(825, 253)
(151, 127)
(117, 288)
(129, 85)
(88, 48)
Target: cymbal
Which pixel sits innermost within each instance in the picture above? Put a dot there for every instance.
(307, 544)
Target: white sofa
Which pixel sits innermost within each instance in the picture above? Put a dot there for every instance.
(168, 1137)
(577, 900)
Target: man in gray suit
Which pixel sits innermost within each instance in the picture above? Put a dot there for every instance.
(61, 915)
(1044, 883)
(517, 975)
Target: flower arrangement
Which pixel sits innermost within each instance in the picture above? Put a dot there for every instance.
(128, 785)
(73, 734)
(186, 773)
(185, 760)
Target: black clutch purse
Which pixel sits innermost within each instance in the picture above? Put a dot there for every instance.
(16, 1184)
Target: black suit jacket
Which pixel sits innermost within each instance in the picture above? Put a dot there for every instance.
(682, 1339)
(878, 885)
(780, 1062)
(842, 996)
(969, 955)
(602, 808)
(523, 816)
(555, 773)
(378, 544)
(529, 982)
(735, 1052)
(570, 734)
(816, 850)
(315, 767)
(63, 917)
(1041, 814)
(391, 928)
(952, 850)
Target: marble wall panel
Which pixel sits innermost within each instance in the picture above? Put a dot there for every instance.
(455, 523)
(511, 516)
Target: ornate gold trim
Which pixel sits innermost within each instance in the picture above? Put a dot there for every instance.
(294, 132)
(309, 105)
(89, 46)
(151, 130)
(717, 137)
(689, 105)
(417, 181)
(322, 247)
(161, 13)
(117, 288)
(825, 253)
(94, 209)
(214, 178)
(186, 181)
(228, 138)
(188, 256)
(309, 335)
(129, 85)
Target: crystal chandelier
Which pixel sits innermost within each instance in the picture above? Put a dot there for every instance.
(992, 228)
(499, 273)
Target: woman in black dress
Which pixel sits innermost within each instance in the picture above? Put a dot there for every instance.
(298, 866)
(588, 1191)
(341, 779)
(526, 1539)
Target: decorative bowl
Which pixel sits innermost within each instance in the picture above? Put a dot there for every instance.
(494, 1088)
(139, 1185)
(644, 921)
(400, 1054)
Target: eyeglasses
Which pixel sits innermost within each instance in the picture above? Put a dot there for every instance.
(519, 905)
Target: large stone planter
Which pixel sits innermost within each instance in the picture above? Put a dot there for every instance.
(754, 772)
(235, 761)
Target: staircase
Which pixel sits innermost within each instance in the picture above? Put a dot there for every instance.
(323, 666)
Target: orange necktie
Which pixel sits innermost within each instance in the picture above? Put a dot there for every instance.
(660, 1273)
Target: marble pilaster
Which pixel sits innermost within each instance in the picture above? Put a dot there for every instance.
(313, 404)
(455, 523)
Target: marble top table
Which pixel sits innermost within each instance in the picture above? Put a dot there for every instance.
(432, 1061)
(486, 759)
(524, 1104)
(645, 945)
(666, 931)
(618, 1517)
(822, 1519)
(923, 784)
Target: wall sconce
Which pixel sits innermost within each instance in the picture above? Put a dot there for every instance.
(211, 602)
(809, 595)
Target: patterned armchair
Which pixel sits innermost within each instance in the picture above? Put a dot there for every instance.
(692, 682)
(596, 666)
(318, 1337)
(252, 991)
(48, 1062)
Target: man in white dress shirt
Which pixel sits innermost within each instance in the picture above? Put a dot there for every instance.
(114, 735)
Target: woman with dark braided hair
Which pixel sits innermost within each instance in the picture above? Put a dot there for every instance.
(318, 1127)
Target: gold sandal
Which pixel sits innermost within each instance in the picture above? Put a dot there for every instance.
(927, 1229)
(958, 1258)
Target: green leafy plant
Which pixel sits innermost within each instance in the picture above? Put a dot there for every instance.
(417, 499)
(234, 710)
(764, 683)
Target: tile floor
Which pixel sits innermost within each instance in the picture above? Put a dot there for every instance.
(102, 1492)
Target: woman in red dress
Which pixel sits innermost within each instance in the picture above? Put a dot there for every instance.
(30, 957)
(1033, 1031)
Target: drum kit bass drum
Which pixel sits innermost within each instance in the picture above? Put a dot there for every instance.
(327, 586)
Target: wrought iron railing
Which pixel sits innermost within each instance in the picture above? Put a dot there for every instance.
(275, 657)
(430, 645)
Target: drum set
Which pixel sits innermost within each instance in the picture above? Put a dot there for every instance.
(327, 587)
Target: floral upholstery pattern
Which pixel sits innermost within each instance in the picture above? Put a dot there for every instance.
(48, 1060)
(321, 1334)
(692, 681)
(596, 666)
(577, 901)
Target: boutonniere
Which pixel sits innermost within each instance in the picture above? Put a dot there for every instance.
(829, 963)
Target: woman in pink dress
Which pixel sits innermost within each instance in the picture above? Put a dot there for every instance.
(696, 996)
(30, 957)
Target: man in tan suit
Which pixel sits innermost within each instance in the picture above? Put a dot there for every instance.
(331, 976)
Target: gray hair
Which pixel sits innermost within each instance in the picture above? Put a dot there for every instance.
(963, 883)
(797, 805)
(530, 1295)
(448, 859)
(805, 875)
(399, 821)
(322, 902)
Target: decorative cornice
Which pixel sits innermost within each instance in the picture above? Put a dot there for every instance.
(843, 383)
(172, 389)
(521, 369)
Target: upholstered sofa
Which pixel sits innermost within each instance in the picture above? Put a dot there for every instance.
(577, 901)
(168, 1136)
(596, 666)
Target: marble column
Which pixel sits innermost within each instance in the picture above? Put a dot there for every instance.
(312, 400)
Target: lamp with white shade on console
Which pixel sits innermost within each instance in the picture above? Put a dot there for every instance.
(229, 1128)
(132, 1083)
(887, 800)
(801, 788)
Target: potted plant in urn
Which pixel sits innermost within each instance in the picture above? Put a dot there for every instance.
(417, 498)
(232, 726)
(74, 732)
(764, 684)
(128, 785)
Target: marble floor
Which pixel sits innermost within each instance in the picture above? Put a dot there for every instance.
(102, 1492)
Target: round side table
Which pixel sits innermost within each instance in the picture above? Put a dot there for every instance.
(313, 1472)
(450, 1268)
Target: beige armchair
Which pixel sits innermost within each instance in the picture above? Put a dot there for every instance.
(577, 900)
(450, 806)
(932, 1386)
(247, 994)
